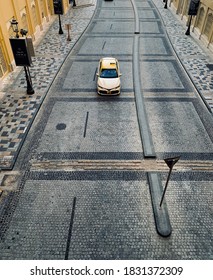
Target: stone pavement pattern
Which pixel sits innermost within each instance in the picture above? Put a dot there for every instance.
(197, 60)
(113, 216)
(113, 228)
(17, 109)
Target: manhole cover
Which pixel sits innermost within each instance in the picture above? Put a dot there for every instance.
(60, 126)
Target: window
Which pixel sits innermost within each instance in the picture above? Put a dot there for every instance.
(109, 73)
(24, 21)
(186, 8)
(208, 26)
(200, 18)
(42, 8)
(3, 64)
(35, 20)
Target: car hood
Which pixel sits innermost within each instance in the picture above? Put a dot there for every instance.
(109, 83)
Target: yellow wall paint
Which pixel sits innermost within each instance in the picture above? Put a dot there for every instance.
(22, 10)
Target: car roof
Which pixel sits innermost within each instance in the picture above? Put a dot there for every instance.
(108, 63)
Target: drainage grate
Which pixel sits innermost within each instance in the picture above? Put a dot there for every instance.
(210, 66)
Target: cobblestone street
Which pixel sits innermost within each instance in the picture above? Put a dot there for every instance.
(18, 109)
(76, 182)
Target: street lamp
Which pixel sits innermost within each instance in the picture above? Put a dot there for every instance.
(60, 27)
(189, 25)
(14, 24)
(193, 10)
(30, 89)
(23, 32)
(165, 6)
(58, 10)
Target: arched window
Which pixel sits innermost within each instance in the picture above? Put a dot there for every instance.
(24, 21)
(42, 8)
(186, 7)
(3, 64)
(200, 18)
(37, 11)
(49, 6)
(34, 14)
(208, 25)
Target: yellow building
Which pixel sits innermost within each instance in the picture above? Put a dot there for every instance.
(202, 24)
(31, 15)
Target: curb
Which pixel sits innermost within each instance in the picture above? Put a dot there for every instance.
(145, 132)
(199, 92)
(146, 137)
(162, 221)
(137, 21)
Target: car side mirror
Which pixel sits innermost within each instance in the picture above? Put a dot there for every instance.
(97, 74)
(120, 75)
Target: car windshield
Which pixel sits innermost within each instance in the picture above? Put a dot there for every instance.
(109, 73)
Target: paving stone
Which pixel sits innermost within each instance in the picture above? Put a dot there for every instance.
(52, 50)
(193, 57)
(50, 54)
(117, 216)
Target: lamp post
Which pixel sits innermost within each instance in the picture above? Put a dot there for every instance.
(58, 10)
(189, 25)
(14, 24)
(23, 32)
(193, 9)
(30, 89)
(60, 27)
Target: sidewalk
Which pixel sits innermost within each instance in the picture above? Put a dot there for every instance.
(195, 57)
(17, 109)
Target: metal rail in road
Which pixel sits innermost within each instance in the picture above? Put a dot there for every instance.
(146, 137)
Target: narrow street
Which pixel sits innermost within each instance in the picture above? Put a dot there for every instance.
(79, 188)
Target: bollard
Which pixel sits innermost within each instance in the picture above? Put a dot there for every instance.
(68, 28)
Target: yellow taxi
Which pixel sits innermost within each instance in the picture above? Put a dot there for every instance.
(108, 81)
